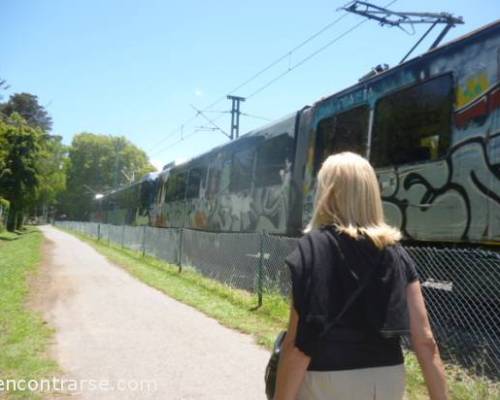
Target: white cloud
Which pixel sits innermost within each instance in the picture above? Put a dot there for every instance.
(198, 92)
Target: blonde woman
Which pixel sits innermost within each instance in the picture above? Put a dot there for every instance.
(355, 292)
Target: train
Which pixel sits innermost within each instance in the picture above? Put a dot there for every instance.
(430, 127)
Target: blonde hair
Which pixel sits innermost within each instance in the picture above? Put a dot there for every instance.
(348, 196)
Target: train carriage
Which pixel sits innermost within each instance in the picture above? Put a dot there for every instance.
(430, 127)
(129, 205)
(243, 186)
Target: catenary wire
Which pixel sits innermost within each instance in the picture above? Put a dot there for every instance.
(256, 75)
(280, 76)
(255, 116)
(312, 55)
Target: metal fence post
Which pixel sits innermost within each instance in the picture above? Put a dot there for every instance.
(144, 240)
(123, 237)
(260, 270)
(181, 240)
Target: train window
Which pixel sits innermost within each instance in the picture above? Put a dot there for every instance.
(241, 170)
(196, 178)
(215, 174)
(414, 124)
(272, 158)
(213, 181)
(346, 131)
(146, 194)
(225, 175)
(176, 187)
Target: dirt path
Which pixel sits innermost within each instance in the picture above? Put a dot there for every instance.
(114, 331)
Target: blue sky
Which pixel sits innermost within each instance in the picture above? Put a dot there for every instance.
(134, 68)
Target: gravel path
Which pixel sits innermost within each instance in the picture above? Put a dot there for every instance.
(114, 331)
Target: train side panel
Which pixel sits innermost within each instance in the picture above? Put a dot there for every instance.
(432, 132)
(243, 186)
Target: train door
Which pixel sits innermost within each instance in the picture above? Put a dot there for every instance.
(217, 193)
(238, 203)
(302, 129)
(411, 136)
(273, 173)
(175, 204)
(197, 214)
(157, 209)
(344, 131)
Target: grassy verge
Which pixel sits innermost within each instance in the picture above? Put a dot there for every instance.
(235, 308)
(23, 335)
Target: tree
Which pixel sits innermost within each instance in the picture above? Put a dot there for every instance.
(51, 166)
(4, 204)
(19, 176)
(26, 105)
(97, 164)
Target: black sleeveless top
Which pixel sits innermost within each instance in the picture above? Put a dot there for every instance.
(326, 268)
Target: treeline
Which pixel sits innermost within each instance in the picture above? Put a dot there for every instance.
(41, 178)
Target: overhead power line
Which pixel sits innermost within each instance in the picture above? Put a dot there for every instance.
(280, 58)
(210, 121)
(256, 116)
(170, 145)
(278, 77)
(256, 75)
(313, 54)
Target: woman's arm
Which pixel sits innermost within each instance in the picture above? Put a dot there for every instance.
(424, 344)
(293, 363)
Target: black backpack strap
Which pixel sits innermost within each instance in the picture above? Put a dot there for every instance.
(353, 296)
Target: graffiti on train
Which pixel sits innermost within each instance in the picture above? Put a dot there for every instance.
(255, 209)
(461, 203)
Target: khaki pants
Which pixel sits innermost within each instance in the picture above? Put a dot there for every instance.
(380, 383)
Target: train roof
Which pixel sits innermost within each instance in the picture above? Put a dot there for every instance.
(149, 177)
(254, 132)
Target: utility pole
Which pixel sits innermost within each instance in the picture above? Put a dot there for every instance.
(235, 116)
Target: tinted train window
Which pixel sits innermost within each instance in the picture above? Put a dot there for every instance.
(214, 175)
(413, 124)
(272, 157)
(176, 187)
(213, 181)
(218, 175)
(241, 170)
(196, 178)
(346, 131)
(146, 194)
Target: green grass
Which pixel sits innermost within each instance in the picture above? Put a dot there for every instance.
(236, 309)
(24, 337)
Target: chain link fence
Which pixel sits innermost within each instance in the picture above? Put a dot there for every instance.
(461, 286)
(462, 292)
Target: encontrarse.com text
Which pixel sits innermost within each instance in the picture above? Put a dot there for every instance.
(76, 386)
